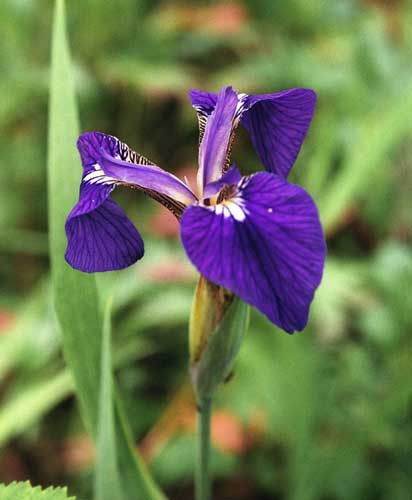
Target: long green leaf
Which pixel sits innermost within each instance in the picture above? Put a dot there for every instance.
(75, 294)
(107, 478)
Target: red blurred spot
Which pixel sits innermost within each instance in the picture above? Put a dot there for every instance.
(77, 453)
(170, 271)
(164, 223)
(225, 18)
(228, 432)
(7, 320)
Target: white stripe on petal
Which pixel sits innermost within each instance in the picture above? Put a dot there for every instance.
(97, 176)
(239, 108)
(231, 208)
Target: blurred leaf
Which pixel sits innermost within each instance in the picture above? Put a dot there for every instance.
(167, 308)
(30, 242)
(174, 464)
(33, 340)
(380, 132)
(75, 294)
(31, 403)
(147, 76)
(342, 290)
(25, 491)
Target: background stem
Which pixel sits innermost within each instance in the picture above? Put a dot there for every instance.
(202, 477)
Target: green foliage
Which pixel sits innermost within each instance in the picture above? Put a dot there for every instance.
(25, 491)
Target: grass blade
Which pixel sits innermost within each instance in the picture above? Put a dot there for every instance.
(75, 294)
(107, 479)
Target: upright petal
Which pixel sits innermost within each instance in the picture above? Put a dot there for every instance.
(232, 176)
(215, 145)
(204, 104)
(277, 124)
(265, 244)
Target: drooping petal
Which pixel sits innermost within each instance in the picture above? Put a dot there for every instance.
(100, 236)
(91, 145)
(216, 141)
(277, 124)
(265, 244)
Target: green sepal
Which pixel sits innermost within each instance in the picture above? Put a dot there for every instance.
(215, 362)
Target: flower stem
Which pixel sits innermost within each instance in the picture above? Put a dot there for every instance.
(202, 478)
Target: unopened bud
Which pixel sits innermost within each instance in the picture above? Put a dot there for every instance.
(218, 323)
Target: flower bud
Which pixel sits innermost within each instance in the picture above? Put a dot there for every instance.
(218, 323)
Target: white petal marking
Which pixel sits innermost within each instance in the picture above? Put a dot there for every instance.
(97, 176)
(233, 209)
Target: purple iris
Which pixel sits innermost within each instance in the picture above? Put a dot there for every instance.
(258, 236)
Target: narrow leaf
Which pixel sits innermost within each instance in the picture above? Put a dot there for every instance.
(107, 479)
(75, 294)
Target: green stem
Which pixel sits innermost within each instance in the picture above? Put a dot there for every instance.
(202, 478)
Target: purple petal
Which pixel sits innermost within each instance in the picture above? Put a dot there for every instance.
(232, 176)
(203, 102)
(149, 178)
(265, 244)
(277, 124)
(92, 144)
(216, 140)
(108, 161)
(100, 236)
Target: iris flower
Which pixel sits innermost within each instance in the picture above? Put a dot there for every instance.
(258, 235)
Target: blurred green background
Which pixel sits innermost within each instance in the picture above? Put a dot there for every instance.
(321, 415)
